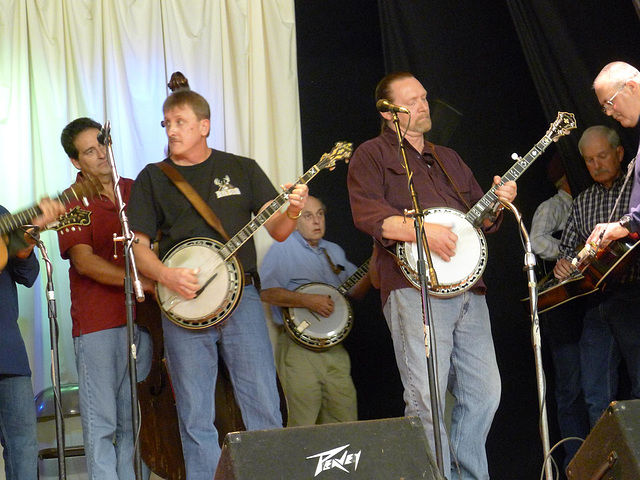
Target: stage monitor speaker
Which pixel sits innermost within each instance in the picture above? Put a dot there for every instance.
(394, 448)
(612, 449)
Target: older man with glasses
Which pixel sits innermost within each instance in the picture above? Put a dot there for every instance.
(618, 89)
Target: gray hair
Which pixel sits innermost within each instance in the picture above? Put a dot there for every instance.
(617, 74)
(599, 131)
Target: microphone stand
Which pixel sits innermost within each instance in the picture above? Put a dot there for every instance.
(54, 333)
(529, 266)
(127, 239)
(424, 260)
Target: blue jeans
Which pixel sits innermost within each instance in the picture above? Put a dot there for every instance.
(466, 366)
(611, 330)
(18, 428)
(192, 359)
(563, 327)
(105, 399)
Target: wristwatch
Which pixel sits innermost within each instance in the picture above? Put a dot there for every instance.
(625, 222)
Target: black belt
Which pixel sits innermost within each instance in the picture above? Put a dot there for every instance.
(252, 279)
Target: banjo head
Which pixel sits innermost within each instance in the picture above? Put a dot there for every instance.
(314, 331)
(464, 269)
(224, 284)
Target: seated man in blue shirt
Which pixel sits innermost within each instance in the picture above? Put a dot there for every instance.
(317, 382)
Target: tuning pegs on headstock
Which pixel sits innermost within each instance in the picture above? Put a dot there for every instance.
(178, 82)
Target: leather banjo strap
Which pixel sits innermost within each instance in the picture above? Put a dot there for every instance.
(196, 200)
(435, 155)
(335, 268)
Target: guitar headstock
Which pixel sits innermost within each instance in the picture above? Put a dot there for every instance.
(340, 151)
(75, 216)
(564, 122)
(178, 82)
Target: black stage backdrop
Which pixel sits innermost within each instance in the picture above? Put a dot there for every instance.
(497, 73)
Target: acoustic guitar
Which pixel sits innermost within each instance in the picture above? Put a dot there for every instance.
(596, 269)
(86, 188)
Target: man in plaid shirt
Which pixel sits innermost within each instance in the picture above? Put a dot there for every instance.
(610, 325)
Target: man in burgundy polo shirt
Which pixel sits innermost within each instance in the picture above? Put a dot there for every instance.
(98, 312)
(466, 363)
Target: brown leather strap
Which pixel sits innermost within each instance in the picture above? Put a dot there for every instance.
(455, 187)
(335, 268)
(196, 200)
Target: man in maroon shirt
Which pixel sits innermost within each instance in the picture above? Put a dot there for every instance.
(98, 312)
(466, 362)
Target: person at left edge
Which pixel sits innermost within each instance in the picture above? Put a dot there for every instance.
(236, 189)
(17, 409)
(98, 313)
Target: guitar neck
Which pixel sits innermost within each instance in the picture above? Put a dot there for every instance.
(259, 220)
(10, 222)
(355, 278)
(488, 200)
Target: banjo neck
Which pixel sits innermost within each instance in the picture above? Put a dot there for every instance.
(476, 214)
(563, 123)
(354, 278)
(341, 151)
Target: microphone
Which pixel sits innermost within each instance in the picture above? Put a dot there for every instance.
(105, 131)
(384, 106)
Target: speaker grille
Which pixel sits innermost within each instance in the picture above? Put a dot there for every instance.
(390, 449)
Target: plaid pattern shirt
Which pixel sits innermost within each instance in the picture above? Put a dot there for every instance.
(591, 207)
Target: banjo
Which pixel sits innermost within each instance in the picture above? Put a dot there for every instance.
(220, 274)
(466, 267)
(318, 333)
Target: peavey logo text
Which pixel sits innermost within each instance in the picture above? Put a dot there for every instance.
(330, 459)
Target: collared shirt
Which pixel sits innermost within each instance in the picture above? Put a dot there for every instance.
(378, 189)
(549, 219)
(96, 306)
(591, 207)
(294, 262)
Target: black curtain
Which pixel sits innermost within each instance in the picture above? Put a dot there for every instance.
(497, 72)
(566, 44)
(509, 67)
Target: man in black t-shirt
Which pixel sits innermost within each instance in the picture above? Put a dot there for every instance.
(235, 188)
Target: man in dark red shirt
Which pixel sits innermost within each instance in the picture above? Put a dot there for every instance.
(98, 312)
(379, 195)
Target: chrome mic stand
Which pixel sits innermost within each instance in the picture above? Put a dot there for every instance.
(54, 333)
(424, 260)
(127, 240)
(529, 265)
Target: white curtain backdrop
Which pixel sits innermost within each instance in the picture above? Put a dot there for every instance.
(111, 60)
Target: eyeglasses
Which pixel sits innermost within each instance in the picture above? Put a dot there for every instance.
(608, 105)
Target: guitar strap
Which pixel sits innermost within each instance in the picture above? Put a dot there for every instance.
(435, 155)
(196, 200)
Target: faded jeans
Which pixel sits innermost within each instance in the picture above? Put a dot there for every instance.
(192, 358)
(466, 366)
(18, 427)
(102, 360)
